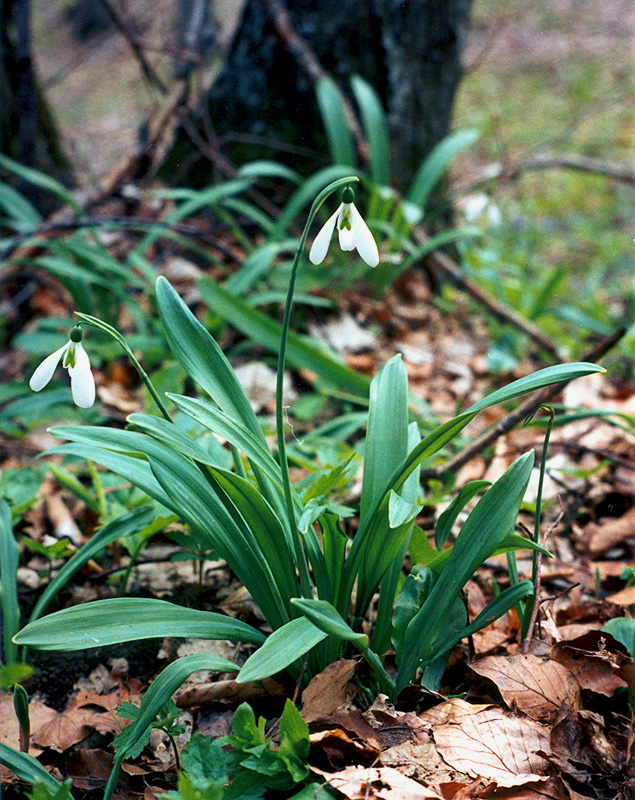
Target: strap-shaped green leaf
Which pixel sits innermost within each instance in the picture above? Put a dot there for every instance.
(334, 120)
(202, 358)
(387, 431)
(161, 690)
(282, 648)
(375, 129)
(125, 619)
(448, 517)
(28, 768)
(126, 525)
(9, 560)
(230, 429)
(491, 520)
(326, 617)
(301, 353)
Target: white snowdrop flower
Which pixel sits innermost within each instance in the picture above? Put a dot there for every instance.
(75, 360)
(353, 233)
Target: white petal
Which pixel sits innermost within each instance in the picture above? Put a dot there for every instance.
(82, 381)
(363, 238)
(321, 242)
(44, 372)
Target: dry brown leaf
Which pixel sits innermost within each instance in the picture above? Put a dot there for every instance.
(536, 687)
(583, 658)
(329, 690)
(73, 724)
(373, 783)
(609, 532)
(625, 597)
(89, 769)
(39, 714)
(484, 741)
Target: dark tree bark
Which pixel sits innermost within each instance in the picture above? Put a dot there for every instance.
(409, 51)
(27, 131)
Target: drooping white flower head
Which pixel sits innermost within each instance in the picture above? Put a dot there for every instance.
(75, 360)
(353, 233)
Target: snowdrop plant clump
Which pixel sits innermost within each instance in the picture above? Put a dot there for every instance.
(314, 576)
(75, 359)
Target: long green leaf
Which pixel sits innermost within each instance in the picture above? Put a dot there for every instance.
(387, 430)
(537, 380)
(43, 181)
(266, 332)
(274, 540)
(9, 561)
(375, 130)
(327, 618)
(125, 619)
(334, 120)
(202, 358)
(233, 431)
(160, 691)
(491, 520)
(448, 517)
(197, 200)
(212, 516)
(307, 193)
(282, 648)
(28, 768)
(126, 525)
(432, 169)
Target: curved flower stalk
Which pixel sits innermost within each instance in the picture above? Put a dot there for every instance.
(353, 232)
(75, 359)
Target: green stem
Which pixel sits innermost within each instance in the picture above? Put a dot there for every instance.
(103, 326)
(282, 355)
(531, 601)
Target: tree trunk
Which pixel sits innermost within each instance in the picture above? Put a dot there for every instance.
(408, 51)
(27, 131)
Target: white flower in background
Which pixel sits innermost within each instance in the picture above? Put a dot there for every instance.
(477, 205)
(75, 360)
(353, 233)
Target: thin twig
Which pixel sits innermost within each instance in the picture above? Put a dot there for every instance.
(122, 26)
(623, 173)
(443, 263)
(519, 414)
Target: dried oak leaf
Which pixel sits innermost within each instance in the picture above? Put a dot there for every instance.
(536, 687)
(484, 741)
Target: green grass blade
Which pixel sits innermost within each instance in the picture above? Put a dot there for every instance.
(448, 517)
(375, 130)
(125, 619)
(227, 428)
(334, 121)
(307, 193)
(42, 181)
(266, 332)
